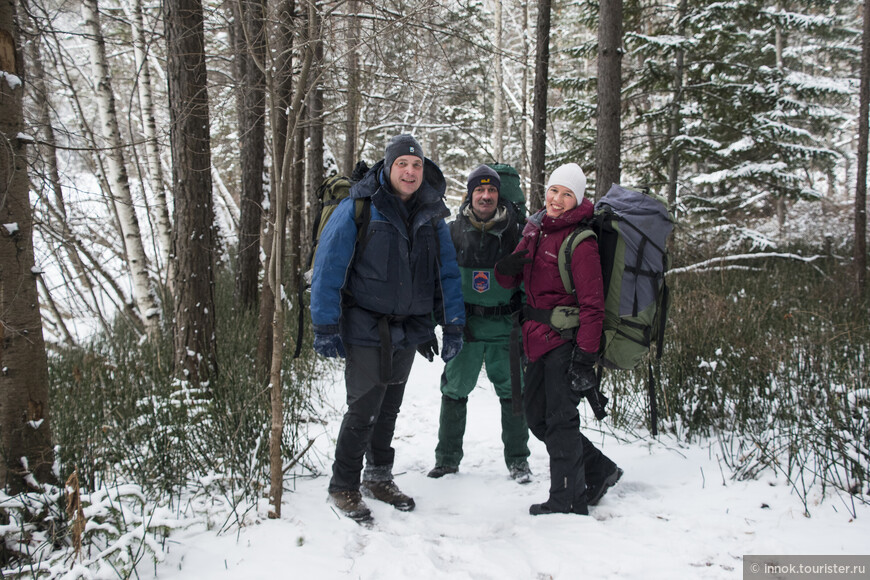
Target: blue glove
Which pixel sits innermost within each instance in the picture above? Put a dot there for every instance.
(328, 345)
(451, 345)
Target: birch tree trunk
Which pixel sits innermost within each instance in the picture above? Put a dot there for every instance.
(160, 209)
(498, 90)
(193, 232)
(117, 173)
(860, 257)
(675, 126)
(25, 427)
(525, 134)
(539, 112)
(607, 143)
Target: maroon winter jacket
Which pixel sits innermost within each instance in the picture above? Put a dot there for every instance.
(543, 237)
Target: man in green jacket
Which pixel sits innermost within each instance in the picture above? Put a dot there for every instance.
(486, 229)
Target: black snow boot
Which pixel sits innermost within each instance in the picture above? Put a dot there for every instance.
(596, 491)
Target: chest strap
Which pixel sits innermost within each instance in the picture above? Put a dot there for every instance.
(478, 310)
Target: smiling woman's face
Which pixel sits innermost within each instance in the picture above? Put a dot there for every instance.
(559, 200)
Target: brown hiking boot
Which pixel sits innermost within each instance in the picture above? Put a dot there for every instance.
(351, 504)
(388, 492)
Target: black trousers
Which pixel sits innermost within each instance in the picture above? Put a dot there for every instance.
(370, 420)
(550, 405)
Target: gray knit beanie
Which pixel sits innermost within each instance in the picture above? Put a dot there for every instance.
(483, 174)
(398, 146)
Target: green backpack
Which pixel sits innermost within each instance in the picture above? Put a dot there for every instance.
(510, 189)
(329, 195)
(632, 228)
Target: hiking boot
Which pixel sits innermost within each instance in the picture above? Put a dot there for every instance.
(441, 471)
(521, 473)
(388, 492)
(543, 509)
(596, 492)
(351, 504)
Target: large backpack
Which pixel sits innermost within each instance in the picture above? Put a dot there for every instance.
(632, 228)
(510, 189)
(328, 196)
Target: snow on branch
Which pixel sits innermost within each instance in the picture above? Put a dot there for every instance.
(721, 260)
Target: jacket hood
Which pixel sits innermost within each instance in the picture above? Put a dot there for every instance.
(432, 189)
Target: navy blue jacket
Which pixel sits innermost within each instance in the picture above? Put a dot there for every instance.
(401, 269)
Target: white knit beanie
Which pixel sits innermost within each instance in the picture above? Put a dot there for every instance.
(571, 176)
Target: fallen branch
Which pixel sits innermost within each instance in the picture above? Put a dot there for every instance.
(705, 265)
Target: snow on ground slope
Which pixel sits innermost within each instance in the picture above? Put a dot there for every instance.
(675, 514)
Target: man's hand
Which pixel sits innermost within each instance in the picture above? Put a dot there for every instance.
(513, 264)
(329, 345)
(452, 345)
(428, 349)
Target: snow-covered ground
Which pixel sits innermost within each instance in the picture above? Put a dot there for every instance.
(675, 514)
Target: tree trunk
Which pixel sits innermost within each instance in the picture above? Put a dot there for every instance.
(280, 89)
(861, 187)
(117, 173)
(315, 149)
(525, 135)
(294, 133)
(57, 212)
(193, 231)
(160, 209)
(25, 428)
(539, 113)
(675, 127)
(250, 55)
(607, 146)
(353, 96)
(498, 94)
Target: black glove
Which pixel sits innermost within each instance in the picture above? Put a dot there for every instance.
(513, 264)
(428, 349)
(584, 382)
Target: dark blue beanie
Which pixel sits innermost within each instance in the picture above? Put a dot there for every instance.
(398, 146)
(483, 174)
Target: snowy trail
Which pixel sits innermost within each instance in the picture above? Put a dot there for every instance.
(673, 514)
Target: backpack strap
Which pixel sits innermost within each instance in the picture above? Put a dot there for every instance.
(566, 251)
(362, 215)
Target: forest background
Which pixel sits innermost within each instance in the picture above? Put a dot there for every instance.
(160, 165)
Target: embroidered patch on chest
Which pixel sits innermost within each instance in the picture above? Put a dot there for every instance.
(480, 280)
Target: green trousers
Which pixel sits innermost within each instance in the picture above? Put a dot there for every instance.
(458, 380)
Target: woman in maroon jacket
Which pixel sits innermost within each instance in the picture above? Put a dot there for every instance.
(559, 370)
